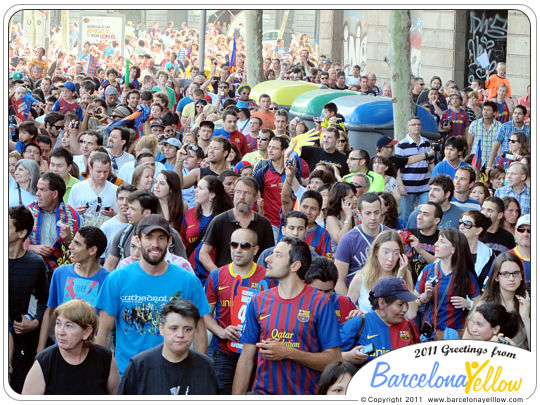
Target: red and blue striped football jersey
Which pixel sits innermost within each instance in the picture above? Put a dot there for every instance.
(306, 322)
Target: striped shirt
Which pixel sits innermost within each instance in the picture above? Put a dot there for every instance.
(416, 176)
(459, 121)
(478, 131)
(507, 129)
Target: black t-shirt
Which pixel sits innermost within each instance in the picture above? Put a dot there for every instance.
(500, 241)
(313, 156)
(396, 163)
(416, 261)
(27, 275)
(149, 373)
(88, 378)
(220, 229)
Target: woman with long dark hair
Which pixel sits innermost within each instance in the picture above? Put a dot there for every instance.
(506, 286)
(335, 378)
(447, 285)
(169, 191)
(211, 200)
(390, 215)
(491, 322)
(340, 212)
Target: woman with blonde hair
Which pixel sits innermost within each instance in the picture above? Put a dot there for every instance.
(143, 177)
(386, 259)
(74, 365)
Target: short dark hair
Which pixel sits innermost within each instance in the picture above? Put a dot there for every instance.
(322, 269)
(182, 307)
(125, 187)
(331, 107)
(284, 143)
(227, 173)
(56, 183)
(445, 182)
(314, 195)
(491, 104)
(438, 213)
(30, 127)
(93, 236)
(61, 152)
(294, 214)
(470, 170)
(125, 134)
(147, 200)
(368, 198)
(456, 142)
(522, 108)
(53, 117)
(22, 219)
(299, 252)
(248, 181)
(497, 201)
(333, 373)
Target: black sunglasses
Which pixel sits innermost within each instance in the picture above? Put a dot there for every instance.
(262, 138)
(522, 230)
(243, 245)
(466, 224)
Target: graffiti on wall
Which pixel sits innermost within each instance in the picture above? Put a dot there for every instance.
(355, 39)
(486, 32)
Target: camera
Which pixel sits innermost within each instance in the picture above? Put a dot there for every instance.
(290, 162)
(436, 146)
(503, 340)
(434, 280)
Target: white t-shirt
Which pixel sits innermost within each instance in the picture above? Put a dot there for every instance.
(82, 194)
(118, 161)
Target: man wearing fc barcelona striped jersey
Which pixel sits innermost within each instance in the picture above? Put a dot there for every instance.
(291, 331)
(228, 290)
(385, 326)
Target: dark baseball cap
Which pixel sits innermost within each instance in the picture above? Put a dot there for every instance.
(386, 287)
(153, 222)
(385, 140)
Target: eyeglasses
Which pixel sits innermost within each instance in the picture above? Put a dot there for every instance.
(192, 147)
(243, 245)
(522, 230)
(262, 138)
(273, 108)
(466, 224)
(58, 126)
(200, 106)
(342, 141)
(513, 141)
(506, 274)
(356, 185)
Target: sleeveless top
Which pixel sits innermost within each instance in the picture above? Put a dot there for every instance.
(88, 378)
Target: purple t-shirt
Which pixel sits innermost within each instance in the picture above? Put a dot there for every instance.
(353, 248)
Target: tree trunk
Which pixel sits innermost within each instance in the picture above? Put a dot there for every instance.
(254, 60)
(399, 61)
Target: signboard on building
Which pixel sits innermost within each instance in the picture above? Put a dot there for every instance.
(102, 30)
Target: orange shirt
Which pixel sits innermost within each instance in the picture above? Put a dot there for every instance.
(494, 82)
(267, 118)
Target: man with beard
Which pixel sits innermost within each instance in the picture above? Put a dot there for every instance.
(291, 332)
(148, 283)
(241, 216)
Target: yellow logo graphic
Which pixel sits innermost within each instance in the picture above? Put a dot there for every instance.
(263, 317)
(303, 315)
(489, 381)
(222, 287)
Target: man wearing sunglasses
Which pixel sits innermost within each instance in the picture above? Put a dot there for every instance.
(117, 144)
(229, 300)
(523, 247)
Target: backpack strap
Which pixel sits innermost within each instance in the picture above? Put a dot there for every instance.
(122, 239)
(360, 329)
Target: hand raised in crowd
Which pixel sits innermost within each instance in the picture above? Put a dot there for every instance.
(403, 265)
(65, 233)
(524, 306)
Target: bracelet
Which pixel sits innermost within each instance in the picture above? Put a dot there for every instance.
(421, 300)
(347, 222)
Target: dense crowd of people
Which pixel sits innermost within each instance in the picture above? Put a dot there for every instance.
(167, 235)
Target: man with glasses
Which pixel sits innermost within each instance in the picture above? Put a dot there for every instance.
(228, 299)
(240, 216)
(415, 176)
(325, 79)
(264, 112)
(523, 247)
(54, 124)
(358, 161)
(517, 187)
(94, 198)
(117, 144)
